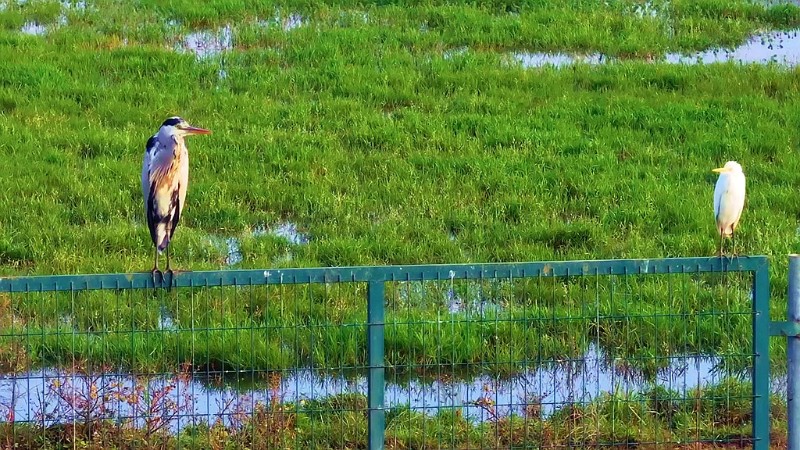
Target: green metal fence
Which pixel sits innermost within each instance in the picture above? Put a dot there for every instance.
(659, 352)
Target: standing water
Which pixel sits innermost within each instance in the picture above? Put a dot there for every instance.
(34, 396)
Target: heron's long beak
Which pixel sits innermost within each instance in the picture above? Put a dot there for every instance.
(720, 170)
(195, 130)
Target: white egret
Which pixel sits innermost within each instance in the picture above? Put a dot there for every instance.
(729, 201)
(165, 178)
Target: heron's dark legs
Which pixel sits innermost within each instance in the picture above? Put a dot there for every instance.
(169, 271)
(169, 268)
(733, 238)
(155, 267)
(721, 241)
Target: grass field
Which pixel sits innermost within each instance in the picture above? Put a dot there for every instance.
(365, 128)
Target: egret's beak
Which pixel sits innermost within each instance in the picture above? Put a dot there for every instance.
(195, 130)
(720, 170)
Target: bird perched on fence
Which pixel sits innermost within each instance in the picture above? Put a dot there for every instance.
(165, 178)
(729, 201)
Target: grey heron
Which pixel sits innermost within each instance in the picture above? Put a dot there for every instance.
(729, 201)
(165, 178)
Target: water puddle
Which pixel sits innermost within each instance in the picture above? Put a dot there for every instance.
(771, 3)
(781, 47)
(471, 301)
(454, 52)
(234, 253)
(33, 396)
(292, 21)
(79, 5)
(228, 247)
(206, 44)
(557, 60)
(165, 321)
(67, 7)
(33, 29)
(646, 10)
(286, 23)
(468, 299)
(283, 230)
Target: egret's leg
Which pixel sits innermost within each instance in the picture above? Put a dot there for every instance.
(721, 241)
(733, 238)
(169, 269)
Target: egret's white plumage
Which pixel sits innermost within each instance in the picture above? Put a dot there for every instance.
(729, 196)
(165, 179)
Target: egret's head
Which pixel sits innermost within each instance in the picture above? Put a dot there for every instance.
(729, 167)
(176, 126)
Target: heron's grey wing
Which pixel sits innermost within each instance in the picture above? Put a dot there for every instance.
(149, 150)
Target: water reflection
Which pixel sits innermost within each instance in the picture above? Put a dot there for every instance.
(780, 47)
(288, 22)
(234, 253)
(206, 44)
(645, 10)
(283, 230)
(557, 60)
(33, 29)
(548, 388)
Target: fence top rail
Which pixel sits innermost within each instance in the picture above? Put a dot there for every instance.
(244, 277)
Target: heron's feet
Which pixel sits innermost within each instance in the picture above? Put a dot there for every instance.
(158, 276)
(171, 276)
(169, 269)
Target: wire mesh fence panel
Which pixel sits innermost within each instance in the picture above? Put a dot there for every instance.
(533, 355)
(253, 366)
(571, 361)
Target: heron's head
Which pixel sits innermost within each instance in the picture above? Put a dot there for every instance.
(176, 126)
(729, 167)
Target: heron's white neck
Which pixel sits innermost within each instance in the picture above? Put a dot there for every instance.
(169, 134)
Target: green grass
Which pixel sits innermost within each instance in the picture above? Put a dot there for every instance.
(381, 145)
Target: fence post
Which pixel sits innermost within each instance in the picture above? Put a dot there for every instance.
(375, 355)
(793, 354)
(761, 333)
